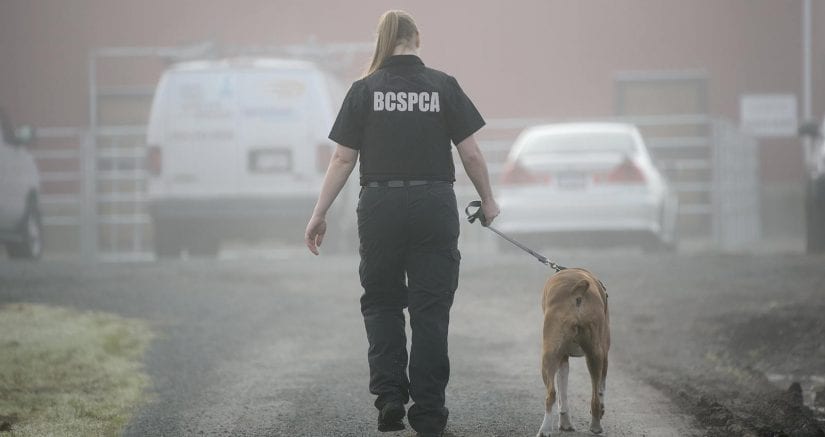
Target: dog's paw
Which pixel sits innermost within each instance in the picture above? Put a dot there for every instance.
(564, 422)
(548, 425)
(544, 431)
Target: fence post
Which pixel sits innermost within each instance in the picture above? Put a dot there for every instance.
(88, 224)
(716, 145)
(736, 220)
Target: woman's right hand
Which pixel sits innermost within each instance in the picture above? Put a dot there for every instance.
(314, 235)
(490, 210)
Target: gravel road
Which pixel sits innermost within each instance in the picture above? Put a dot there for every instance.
(276, 347)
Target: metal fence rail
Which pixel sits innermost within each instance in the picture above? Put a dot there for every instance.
(90, 197)
(63, 156)
(123, 222)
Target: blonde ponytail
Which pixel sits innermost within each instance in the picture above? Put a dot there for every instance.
(395, 27)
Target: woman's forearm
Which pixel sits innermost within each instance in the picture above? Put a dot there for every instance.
(475, 167)
(340, 166)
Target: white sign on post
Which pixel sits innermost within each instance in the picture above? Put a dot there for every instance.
(768, 115)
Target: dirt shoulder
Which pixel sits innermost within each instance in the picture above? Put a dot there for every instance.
(726, 336)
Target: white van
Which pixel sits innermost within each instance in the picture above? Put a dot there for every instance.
(237, 148)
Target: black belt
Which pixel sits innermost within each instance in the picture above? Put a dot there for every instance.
(399, 184)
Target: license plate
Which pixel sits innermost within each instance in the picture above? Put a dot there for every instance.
(572, 181)
(270, 160)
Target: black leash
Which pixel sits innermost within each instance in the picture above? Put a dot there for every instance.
(471, 217)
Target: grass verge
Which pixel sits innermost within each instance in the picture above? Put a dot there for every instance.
(68, 373)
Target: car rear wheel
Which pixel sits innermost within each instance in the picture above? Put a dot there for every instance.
(656, 244)
(667, 239)
(30, 245)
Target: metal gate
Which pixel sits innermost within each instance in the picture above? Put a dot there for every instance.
(119, 226)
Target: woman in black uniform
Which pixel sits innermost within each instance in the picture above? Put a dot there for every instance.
(401, 117)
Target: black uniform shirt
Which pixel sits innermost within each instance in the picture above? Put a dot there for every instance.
(401, 119)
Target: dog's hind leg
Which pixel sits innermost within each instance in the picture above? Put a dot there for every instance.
(561, 383)
(549, 366)
(595, 364)
(604, 383)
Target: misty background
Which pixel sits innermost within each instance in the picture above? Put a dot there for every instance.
(718, 331)
(83, 73)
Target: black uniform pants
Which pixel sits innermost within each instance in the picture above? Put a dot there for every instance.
(409, 258)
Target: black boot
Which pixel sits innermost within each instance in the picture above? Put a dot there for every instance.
(389, 418)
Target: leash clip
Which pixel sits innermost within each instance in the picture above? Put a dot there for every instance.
(551, 264)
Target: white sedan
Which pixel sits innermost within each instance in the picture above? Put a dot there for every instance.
(586, 183)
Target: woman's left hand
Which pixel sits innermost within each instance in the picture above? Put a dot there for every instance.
(314, 235)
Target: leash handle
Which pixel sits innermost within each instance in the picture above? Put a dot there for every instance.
(478, 214)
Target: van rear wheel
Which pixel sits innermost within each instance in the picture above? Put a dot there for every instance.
(204, 246)
(167, 240)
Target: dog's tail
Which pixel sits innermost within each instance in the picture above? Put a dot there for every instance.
(578, 291)
(578, 294)
(588, 303)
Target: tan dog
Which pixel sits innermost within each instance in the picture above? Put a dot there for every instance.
(575, 324)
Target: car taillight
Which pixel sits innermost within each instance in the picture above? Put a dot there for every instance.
(323, 154)
(154, 160)
(626, 173)
(515, 174)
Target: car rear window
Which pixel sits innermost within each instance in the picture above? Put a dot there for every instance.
(579, 142)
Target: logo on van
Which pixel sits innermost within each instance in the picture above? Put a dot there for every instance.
(287, 89)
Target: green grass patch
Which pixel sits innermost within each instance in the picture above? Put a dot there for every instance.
(69, 373)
